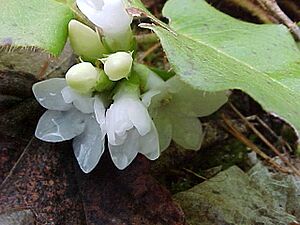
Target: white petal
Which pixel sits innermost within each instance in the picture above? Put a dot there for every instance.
(147, 96)
(99, 110)
(110, 16)
(149, 144)
(120, 138)
(194, 102)
(117, 123)
(187, 131)
(57, 126)
(90, 7)
(113, 18)
(139, 116)
(67, 94)
(164, 129)
(126, 112)
(89, 146)
(83, 103)
(48, 94)
(160, 100)
(123, 155)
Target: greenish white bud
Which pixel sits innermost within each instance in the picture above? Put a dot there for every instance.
(118, 65)
(82, 77)
(85, 41)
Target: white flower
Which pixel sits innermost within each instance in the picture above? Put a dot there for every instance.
(175, 108)
(109, 15)
(129, 128)
(71, 115)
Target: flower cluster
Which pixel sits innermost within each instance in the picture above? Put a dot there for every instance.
(108, 98)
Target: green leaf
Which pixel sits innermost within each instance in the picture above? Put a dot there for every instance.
(34, 23)
(212, 51)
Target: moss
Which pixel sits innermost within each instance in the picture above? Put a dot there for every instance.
(231, 153)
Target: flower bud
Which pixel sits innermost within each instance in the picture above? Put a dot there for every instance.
(82, 77)
(118, 65)
(85, 41)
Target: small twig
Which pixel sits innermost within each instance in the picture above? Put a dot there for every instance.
(255, 10)
(195, 174)
(148, 52)
(17, 163)
(43, 70)
(230, 127)
(272, 6)
(273, 133)
(261, 136)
